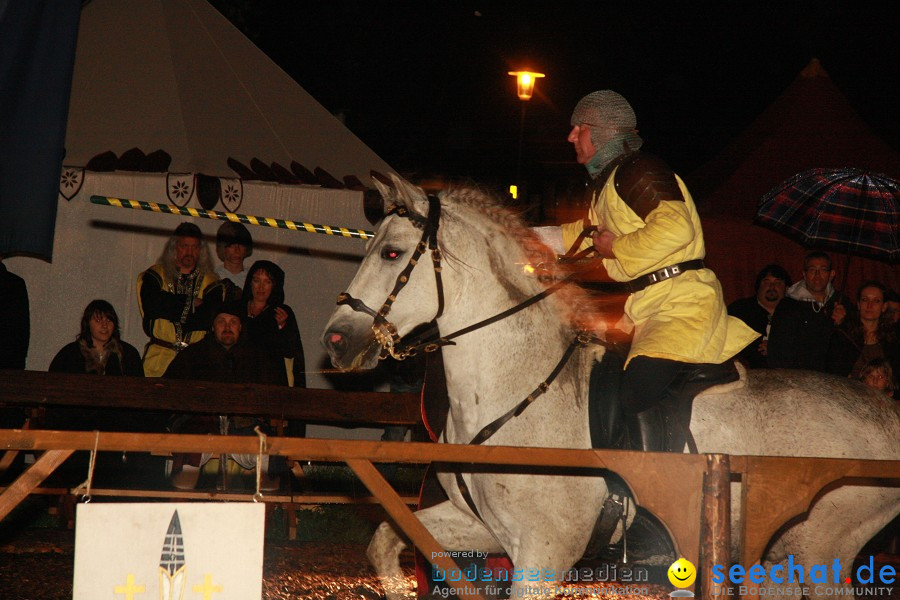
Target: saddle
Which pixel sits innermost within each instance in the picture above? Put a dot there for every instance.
(607, 427)
(606, 422)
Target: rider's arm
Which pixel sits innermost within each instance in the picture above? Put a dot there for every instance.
(668, 230)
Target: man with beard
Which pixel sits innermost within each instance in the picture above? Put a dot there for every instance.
(805, 319)
(643, 223)
(226, 357)
(177, 297)
(756, 311)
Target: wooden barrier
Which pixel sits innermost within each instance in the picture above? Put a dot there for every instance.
(688, 493)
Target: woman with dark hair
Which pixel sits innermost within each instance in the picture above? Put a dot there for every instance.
(98, 349)
(269, 322)
(865, 335)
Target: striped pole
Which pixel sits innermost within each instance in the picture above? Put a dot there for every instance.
(217, 215)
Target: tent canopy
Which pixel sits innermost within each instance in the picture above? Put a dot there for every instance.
(176, 75)
(811, 125)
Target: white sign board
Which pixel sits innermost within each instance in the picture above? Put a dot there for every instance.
(169, 551)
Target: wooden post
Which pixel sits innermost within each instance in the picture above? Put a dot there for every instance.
(31, 478)
(407, 521)
(715, 531)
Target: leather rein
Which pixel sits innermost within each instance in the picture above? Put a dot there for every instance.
(387, 337)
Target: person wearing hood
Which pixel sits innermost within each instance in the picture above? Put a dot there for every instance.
(643, 223)
(269, 322)
(806, 318)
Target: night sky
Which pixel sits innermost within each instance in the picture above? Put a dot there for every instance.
(424, 84)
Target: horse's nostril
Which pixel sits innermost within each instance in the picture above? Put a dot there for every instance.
(335, 338)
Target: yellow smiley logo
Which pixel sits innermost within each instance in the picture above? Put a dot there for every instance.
(682, 573)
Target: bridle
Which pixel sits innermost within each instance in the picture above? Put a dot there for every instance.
(387, 337)
(385, 331)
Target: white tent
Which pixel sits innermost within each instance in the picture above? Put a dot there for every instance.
(174, 74)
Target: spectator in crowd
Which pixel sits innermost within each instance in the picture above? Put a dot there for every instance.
(878, 374)
(269, 322)
(892, 312)
(805, 319)
(15, 330)
(233, 245)
(177, 297)
(225, 356)
(98, 348)
(863, 336)
(756, 311)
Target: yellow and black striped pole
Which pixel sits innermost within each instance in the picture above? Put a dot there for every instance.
(217, 215)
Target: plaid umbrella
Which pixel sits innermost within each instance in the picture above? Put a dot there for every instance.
(847, 210)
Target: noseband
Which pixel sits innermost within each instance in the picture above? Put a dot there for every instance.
(385, 331)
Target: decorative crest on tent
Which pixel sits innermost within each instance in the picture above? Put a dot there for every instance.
(232, 193)
(70, 182)
(180, 188)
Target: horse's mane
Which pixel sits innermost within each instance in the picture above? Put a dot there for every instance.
(579, 310)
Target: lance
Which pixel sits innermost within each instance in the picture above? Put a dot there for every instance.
(217, 215)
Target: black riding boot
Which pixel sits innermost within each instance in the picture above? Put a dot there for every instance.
(647, 431)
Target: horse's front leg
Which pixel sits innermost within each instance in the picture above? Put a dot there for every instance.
(453, 529)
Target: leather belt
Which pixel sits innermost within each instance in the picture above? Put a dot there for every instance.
(177, 347)
(636, 285)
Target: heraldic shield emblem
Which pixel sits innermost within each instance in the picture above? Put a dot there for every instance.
(180, 188)
(232, 193)
(70, 182)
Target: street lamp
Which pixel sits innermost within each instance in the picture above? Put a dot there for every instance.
(525, 83)
(524, 90)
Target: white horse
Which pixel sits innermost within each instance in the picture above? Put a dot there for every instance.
(544, 521)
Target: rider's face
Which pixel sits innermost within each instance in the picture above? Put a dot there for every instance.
(580, 138)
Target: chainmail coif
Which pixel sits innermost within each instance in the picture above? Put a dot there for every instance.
(610, 109)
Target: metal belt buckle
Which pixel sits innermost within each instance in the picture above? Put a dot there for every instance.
(179, 346)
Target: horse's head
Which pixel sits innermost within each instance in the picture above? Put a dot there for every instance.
(386, 283)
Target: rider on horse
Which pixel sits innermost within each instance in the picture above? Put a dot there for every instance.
(646, 229)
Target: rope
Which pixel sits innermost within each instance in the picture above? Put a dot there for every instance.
(86, 484)
(262, 448)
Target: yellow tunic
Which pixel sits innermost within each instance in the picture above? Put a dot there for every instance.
(683, 318)
(156, 357)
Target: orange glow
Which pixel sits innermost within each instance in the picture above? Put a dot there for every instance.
(525, 83)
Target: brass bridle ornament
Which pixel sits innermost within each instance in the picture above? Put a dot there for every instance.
(386, 332)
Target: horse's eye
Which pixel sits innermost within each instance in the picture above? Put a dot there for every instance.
(389, 253)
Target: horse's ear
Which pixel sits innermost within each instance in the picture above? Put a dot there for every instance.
(388, 193)
(413, 197)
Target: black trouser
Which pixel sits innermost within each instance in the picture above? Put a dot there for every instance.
(648, 381)
(657, 395)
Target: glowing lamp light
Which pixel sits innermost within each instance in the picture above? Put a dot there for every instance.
(514, 192)
(525, 83)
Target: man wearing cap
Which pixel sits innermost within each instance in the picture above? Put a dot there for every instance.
(233, 245)
(643, 223)
(225, 356)
(177, 297)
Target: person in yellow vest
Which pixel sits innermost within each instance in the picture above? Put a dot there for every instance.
(177, 298)
(646, 228)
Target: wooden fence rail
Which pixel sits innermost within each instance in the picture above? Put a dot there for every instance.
(689, 494)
